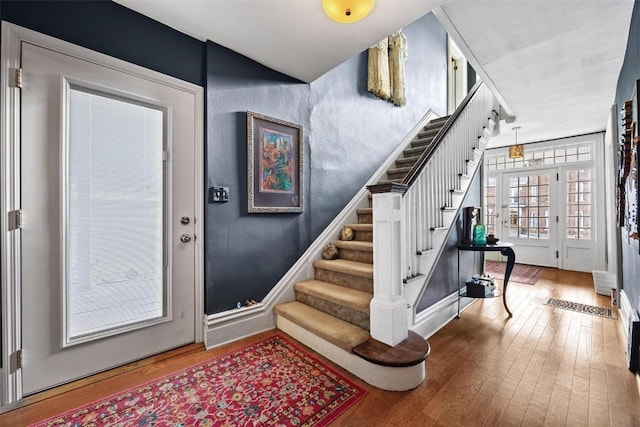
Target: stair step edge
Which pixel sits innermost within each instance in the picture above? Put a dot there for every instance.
(340, 295)
(353, 268)
(360, 227)
(354, 245)
(338, 332)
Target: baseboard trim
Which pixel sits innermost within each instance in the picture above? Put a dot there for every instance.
(435, 317)
(625, 312)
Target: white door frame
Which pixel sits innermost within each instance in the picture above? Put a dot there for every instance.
(12, 37)
(597, 163)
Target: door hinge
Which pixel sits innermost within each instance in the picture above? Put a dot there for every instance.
(557, 254)
(557, 218)
(16, 78)
(15, 361)
(557, 177)
(15, 220)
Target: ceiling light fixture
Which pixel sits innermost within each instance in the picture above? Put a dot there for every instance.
(347, 11)
(516, 151)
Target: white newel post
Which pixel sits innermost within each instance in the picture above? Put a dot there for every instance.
(388, 308)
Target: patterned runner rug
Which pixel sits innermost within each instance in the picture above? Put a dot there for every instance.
(521, 273)
(273, 382)
(581, 308)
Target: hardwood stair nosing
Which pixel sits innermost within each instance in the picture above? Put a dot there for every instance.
(412, 351)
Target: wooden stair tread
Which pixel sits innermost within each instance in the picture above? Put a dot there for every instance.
(336, 331)
(365, 211)
(356, 245)
(412, 351)
(348, 267)
(351, 298)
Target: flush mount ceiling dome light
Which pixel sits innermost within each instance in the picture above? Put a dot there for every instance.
(347, 11)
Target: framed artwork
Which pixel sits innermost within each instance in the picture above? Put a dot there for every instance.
(274, 160)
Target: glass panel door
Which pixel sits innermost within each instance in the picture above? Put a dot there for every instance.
(529, 207)
(115, 275)
(529, 214)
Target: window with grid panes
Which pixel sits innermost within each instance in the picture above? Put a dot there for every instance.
(579, 204)
(529, 207)
(490, 206)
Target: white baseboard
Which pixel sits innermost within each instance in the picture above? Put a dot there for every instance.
(625, 312)
(434, 318)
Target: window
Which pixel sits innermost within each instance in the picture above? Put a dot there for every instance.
(529, 207)
(490, 205)
(541, 157)
(579, 204)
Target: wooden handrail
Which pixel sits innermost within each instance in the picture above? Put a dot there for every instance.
(417, 168)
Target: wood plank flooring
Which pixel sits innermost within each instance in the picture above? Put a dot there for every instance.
(543, 367)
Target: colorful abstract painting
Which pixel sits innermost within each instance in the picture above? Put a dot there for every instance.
(276, 171)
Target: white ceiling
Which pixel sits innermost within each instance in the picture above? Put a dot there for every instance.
(554, 63)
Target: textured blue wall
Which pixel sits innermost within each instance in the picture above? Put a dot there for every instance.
(353, 132)
(349, 134)
(629, 73)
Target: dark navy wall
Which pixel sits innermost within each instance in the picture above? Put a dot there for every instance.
(114, 30)
(443, 282)
(629, 73)
(349, 134)
(246, 254)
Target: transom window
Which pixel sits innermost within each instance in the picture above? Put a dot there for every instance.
(541, 157)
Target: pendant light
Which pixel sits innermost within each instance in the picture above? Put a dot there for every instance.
(516, 151)
(347, 11)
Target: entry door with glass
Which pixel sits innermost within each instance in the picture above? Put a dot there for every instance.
(529, 216)
(108, 200)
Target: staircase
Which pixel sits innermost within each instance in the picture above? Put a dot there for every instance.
(333, 312)
(334, 305)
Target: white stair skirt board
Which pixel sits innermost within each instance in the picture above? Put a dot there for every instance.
(383, 377)
(432, 319)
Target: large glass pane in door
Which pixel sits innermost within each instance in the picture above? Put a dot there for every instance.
(114, 234)
(529, 207)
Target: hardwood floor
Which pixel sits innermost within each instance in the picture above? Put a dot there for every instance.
(544, 366)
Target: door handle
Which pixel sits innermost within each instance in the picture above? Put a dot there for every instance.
(185, 238)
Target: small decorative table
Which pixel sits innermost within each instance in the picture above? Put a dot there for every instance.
(505, 249)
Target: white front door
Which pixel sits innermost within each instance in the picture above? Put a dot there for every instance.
(108, 201)
(529, 215)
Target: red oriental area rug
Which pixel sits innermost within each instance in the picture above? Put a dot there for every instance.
(521, 273)
(269, 383)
